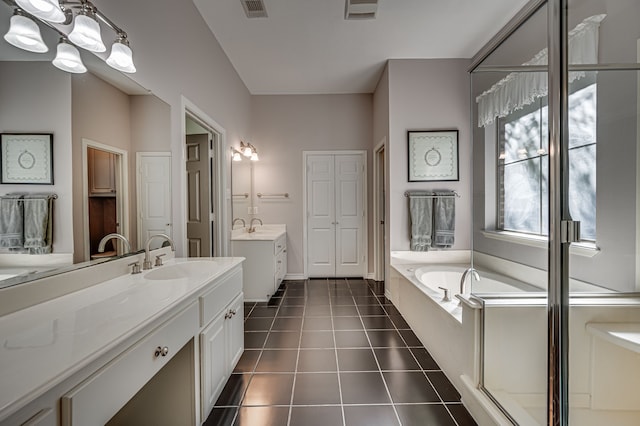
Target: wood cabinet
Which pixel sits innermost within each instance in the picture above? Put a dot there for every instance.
(101, 167)
(264, 268)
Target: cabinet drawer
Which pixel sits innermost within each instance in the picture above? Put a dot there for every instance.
(280, 244)
(214, 301)
(97, 399)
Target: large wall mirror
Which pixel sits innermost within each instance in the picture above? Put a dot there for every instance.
(242, 190)
(99, 120)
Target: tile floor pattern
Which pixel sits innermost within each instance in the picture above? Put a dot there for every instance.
(334, 352)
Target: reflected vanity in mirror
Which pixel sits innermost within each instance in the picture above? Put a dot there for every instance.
(100, 109)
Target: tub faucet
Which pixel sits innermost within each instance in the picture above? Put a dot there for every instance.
(244, 224)
(251, 227)
(147, 261)
(103, 242)
(464, 277)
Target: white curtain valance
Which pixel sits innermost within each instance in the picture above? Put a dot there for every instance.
(519, 89)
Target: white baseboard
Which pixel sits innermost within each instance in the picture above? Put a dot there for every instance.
(295, 277)
(370, 276)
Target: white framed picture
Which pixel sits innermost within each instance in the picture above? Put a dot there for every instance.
(26, 158)
(433, 155)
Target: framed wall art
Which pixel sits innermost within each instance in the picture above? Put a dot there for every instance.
(433, 155)
(26, 158)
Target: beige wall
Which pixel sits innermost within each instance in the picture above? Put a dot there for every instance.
(427, 94)
(285, 126)
(35, 99)
(100, 113)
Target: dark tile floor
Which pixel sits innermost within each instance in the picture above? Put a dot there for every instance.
(334, 352)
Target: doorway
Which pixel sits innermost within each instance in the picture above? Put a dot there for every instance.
(379, 237)
(204, 204)
(335, 219)
(105, 195)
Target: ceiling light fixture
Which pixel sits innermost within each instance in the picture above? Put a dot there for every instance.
(86, 31)
(49, 10)
(68, 58)
(121, 57)
(24, 32)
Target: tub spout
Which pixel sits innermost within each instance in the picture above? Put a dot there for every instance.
(468, 271)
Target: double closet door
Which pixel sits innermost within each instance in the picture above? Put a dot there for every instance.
(336, 222)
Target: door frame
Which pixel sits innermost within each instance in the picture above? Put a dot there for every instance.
(220, 245)
(122, 190)
(365, 218)
(379, 174)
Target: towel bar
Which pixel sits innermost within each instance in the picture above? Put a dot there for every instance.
(430, 195)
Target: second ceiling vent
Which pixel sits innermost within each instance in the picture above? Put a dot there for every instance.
(360, 9)
(254, 8)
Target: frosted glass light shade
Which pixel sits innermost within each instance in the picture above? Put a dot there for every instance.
(86, 33)
(25, 34)
(236, 156)
(49, 10)
(254, 156)
(68, 59)
(121, 57)
(246, 151)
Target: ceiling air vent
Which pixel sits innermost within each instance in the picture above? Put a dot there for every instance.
(361, 9)
(254, 8)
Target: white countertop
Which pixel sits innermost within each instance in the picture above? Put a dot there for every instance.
(45, 344)
(269, 232)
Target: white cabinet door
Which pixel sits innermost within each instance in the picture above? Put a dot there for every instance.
(235, 332)
(335, 215)
(213, 361)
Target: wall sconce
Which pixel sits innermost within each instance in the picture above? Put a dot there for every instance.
(235, 156)
(249, 151)
(24, 32)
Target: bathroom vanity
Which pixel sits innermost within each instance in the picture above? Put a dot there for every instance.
(173, 333)
(265, 250)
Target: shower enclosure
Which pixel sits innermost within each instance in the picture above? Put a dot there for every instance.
(556, 186)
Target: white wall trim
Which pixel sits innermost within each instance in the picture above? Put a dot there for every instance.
(579, 249)
(295, 277)
(122, 190)
(220, 202)
(378, 240)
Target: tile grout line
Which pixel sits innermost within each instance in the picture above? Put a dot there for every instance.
(375, 357)
(295, 372)
(335, 351)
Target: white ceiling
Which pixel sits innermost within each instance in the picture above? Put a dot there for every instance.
(307, 47)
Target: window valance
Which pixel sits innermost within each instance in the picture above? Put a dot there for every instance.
(519, 89)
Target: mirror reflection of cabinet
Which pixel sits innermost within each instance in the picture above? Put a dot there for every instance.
(102, 173)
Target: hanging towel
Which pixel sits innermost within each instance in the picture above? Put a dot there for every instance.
(421, 215)
(11, 221)
(38, 222)
(444, 222)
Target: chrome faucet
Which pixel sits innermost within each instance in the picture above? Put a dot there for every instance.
(147, 260)
(244, 224)
(464, 277)
(103, 242)
(251, 227)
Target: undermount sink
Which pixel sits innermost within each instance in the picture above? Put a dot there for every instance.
(181, 270)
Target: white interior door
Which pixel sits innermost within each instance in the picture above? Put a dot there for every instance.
(321, 236)
(154, 195)
(335, 215)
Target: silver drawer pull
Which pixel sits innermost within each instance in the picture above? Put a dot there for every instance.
(161, 351)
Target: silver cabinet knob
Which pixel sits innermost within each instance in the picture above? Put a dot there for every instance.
(161, 351)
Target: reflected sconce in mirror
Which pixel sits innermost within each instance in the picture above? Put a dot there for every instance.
(24, 32)
(235, 156)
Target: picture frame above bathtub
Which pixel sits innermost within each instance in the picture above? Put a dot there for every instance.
(26, 158)
(433, 155)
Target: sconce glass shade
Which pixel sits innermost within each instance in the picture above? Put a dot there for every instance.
(49, 10)
(236, 156)
(86, 33)
(254, 156)
(25, 34)
(121, 57)
(68, 59)
(246, 151)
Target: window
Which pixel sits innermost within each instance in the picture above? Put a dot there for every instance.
(523, 166)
